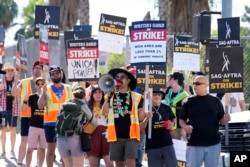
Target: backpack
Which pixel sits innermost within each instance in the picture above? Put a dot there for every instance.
(70, 117)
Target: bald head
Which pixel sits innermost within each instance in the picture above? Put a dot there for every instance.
(200, 85)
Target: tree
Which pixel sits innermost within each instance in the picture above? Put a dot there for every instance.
(28, 14)
(178, 15)
(9, 11)
(83, 12)
(68, 12)
(116, 61)
(246, 16)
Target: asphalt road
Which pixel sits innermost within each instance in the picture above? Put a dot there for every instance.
(7, 162)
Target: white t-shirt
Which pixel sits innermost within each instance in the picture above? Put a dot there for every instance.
(233, 101)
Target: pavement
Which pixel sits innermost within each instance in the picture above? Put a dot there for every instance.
(8, 162)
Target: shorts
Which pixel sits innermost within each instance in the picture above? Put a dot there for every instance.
(100, 146)
(10, 120)
(25, 123)
(69, 146)
(50, 134)
(36, 138)
(123, 149)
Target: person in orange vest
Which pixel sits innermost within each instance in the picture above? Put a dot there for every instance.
(25, 88)
(10, 108)
(124, 109)
(52, 98)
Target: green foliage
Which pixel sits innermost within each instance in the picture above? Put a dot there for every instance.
(28, 14)
(116, 61)
(102, 69)
(8, 10)
(246, 16)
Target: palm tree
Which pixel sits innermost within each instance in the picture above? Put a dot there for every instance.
(83, 12)
(28, 14)
(178, 15)
(68, 12)
(9, 11)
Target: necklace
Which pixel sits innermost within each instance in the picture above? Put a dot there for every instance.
(121, 108)
(156, 111)
(97, 112)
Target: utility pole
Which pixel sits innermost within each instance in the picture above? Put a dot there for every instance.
(226, 13)
(226, 8)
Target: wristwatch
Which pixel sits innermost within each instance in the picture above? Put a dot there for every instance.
(25, 102)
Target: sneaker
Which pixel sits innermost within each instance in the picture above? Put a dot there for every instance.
(12, 155)
(3, 155)
(19, 164)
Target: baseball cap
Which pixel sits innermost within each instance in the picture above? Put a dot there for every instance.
(178, 76)
(198, 73)
(54, 68)
(40, 79)
(37, 63)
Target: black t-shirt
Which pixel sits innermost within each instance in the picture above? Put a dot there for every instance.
(36, 119)
(204, 114)
(160, 136)
(9, 97)
(122, 109)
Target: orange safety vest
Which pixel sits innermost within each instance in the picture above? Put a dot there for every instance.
(54, 104)
(134, 131)
(26, 89)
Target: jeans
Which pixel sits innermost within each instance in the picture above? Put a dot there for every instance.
(140, 149)
(196, 155)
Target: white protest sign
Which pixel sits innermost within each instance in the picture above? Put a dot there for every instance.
(83, 59)
(148, 42)
(186, 54)
(111, 33)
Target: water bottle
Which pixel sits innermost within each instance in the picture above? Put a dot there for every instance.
(189, 135)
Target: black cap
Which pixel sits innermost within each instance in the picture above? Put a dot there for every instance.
(198, 73)
(54, 68)
(177, 75)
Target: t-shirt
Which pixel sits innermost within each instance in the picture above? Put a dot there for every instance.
(9, 97)
(58, 91)
(204, 114)
(122, 105)
(160, 136)
(36, 119)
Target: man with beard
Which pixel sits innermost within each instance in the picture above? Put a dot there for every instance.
(51, 98)
(25, 88)
(124, 110)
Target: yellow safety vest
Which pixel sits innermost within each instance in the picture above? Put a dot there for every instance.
(134, 131)
(54, 104)
(26, 89)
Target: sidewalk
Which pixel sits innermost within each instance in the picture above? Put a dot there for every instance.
(7, 162)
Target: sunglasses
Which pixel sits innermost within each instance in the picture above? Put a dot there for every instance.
(121, 77)
(55, 73)
(197, 83)
(40, 84)
(9, 70)
(157, 94)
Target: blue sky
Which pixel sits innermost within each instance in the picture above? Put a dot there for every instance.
(133, 10)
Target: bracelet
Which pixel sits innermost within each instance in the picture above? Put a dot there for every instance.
(25, 102)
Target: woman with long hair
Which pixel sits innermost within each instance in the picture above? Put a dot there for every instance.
(100, 147)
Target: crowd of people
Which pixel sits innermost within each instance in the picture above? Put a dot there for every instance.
(122, 132)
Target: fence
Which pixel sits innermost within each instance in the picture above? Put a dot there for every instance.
(57, 56)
